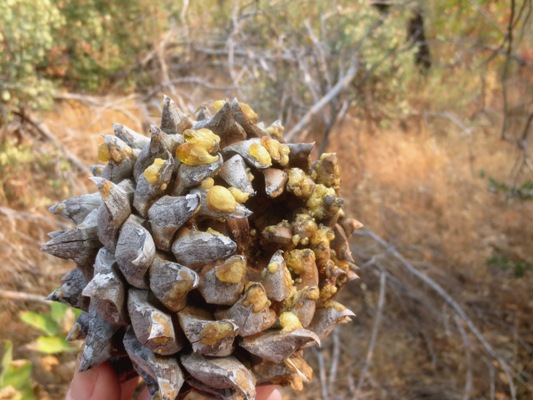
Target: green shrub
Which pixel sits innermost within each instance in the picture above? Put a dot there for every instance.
(503, 262)
(522, 192)
(53, 326)
(15, 376)
(26, 36)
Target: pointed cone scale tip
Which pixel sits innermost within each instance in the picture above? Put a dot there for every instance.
(52, 296)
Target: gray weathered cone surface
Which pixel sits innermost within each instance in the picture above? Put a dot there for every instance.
(209, 256)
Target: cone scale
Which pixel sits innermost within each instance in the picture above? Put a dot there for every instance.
(208, 256)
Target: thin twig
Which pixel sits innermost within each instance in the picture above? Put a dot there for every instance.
(335, 357)
(322, 373)
(231, 44)
(162, 62)
(192, 80)
(11, 295)
(505, 73)
(492, 386)
(342, 83)
(321, 58)
(523, 159)
(525, 132)
(374, 335)
(28, 216)
(46, 133)
(452, 117)
(351, 384)
(508, 371)
(98, 102)
(466, 343)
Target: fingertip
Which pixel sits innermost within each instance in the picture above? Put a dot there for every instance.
(128, 388)
(145, 395)
(268, 393)
(107, 386)
(82, 384)
(98, 383)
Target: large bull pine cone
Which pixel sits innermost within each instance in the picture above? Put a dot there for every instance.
(209, 257)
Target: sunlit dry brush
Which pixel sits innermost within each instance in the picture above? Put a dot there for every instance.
(209, 257)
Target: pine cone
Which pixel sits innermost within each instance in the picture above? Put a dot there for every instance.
(209, 257)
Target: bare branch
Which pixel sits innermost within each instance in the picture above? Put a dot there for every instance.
(341, 84)
(508, 371)
(335, 357)
(43, 130)
(505, 73)
(99, 102)
(374, 335)
(466, 343)
(28, 216)
(192, 80)
(11, 295)
(322, 373)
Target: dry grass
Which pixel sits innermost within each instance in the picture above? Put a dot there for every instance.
(418, 189)
(426, 190)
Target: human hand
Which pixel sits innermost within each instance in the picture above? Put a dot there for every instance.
(101, 383)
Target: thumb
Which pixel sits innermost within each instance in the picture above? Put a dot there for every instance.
(268, 393)
(98, 383)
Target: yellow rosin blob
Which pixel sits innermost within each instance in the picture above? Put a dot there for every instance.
(215, 331)
(194, 154)
(317, 202)
(261, 154)
(312, 294)
(239, 195)
(103, 152)
(105, 190)
(207, 183)
(204, 137)
(107, 152)
(276, 130)
(232, 272)
(162, 328)
(248, 112)
(220, 199)
(299, 183)
(273, 267)
(289, 322)
(218, 104)
(153, 172)
(300, 261)
(256, 296)
(278, 151)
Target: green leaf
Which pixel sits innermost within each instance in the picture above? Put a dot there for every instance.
(14, 394)
(53, 345)
(76, 312)
(42, 322)
(26, 394)
(58, 311)
(18, 375)
(6, 360)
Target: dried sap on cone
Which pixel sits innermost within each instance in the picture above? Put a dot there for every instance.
(208, 257)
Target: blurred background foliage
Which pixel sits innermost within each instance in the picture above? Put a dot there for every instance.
(428, 103)
(98, 46)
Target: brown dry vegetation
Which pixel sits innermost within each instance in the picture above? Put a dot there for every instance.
(423, 193)
(417, 186)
